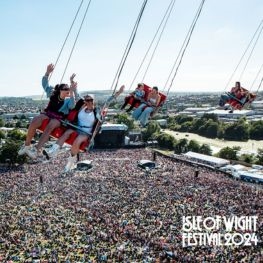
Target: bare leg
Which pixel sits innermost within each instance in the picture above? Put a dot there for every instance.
(64, 137)
(36, 123)
(53, 123)
(78, 141)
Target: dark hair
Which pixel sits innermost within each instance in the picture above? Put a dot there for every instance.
(58, 88)
(156, 88)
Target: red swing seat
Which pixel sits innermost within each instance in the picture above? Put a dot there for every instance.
(57, 132)
(237, 104)
(147, 89)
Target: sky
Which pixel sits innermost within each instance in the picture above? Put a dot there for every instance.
(33, 31)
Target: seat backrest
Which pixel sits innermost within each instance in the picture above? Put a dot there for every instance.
(72, 115)
(148, 89)
(163, 98)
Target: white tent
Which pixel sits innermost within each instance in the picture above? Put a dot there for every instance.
(210, 160)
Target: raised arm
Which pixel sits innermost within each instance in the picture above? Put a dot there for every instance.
(75, 90)
(115, 95)
(45, 83)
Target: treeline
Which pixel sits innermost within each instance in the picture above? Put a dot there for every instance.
(209, 126)
(9, 146)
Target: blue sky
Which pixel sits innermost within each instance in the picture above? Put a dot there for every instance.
(33, 32)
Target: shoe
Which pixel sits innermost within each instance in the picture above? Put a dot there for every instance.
(69, 165)
(29, 151)
(23, 149)
(52, 151)
(32, 153)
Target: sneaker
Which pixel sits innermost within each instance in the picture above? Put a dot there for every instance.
(69, 165)
(52, 151)
(29, 151)
(23, 149)
(32, 153)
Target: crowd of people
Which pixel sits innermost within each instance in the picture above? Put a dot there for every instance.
(117, 212)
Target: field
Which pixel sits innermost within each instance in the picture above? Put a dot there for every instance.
(251, 146)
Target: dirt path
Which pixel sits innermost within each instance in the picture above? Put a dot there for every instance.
(250, 146)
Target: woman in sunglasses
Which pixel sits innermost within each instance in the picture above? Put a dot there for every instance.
(61, 100)
(86, 120)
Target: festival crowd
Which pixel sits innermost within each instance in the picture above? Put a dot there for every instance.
(117, 212)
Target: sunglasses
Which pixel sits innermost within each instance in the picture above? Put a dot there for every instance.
(89, 100)
(65, 89)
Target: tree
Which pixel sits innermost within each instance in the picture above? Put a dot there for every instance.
(212, 128)
(186, 126)
(229, 153)
(260, 156)
(183, 118)
(197, 123)
(9, 152)
(2, 135)
(248, 158)
(193, 146)
(181, 146)
(256, 130)
(2, 123)
(17, 135)
(205, 149)
(18, 124)
(166, 141)
(210, 116)
(152, 130)
(124, 118)
(237, 131)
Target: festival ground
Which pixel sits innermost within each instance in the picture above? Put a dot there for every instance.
(117, 212)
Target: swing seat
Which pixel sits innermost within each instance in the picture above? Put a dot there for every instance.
(57, 132)
(163, 98)
(147, 89)
(237, 104)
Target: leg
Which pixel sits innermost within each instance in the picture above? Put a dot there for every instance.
(53, 151)
(133, 104)
(64, 137)
(74, 151)
(75, 146)
(136, 114)
(223, 99)
(36, 123)
(53, 123)
(144, 118)
(126, 100)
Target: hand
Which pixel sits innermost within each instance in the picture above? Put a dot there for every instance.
(121, 89)
(50, 68)
(104, 112)
(72, 77)
(73, 86)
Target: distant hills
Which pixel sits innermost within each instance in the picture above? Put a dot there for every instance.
(109, 92)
